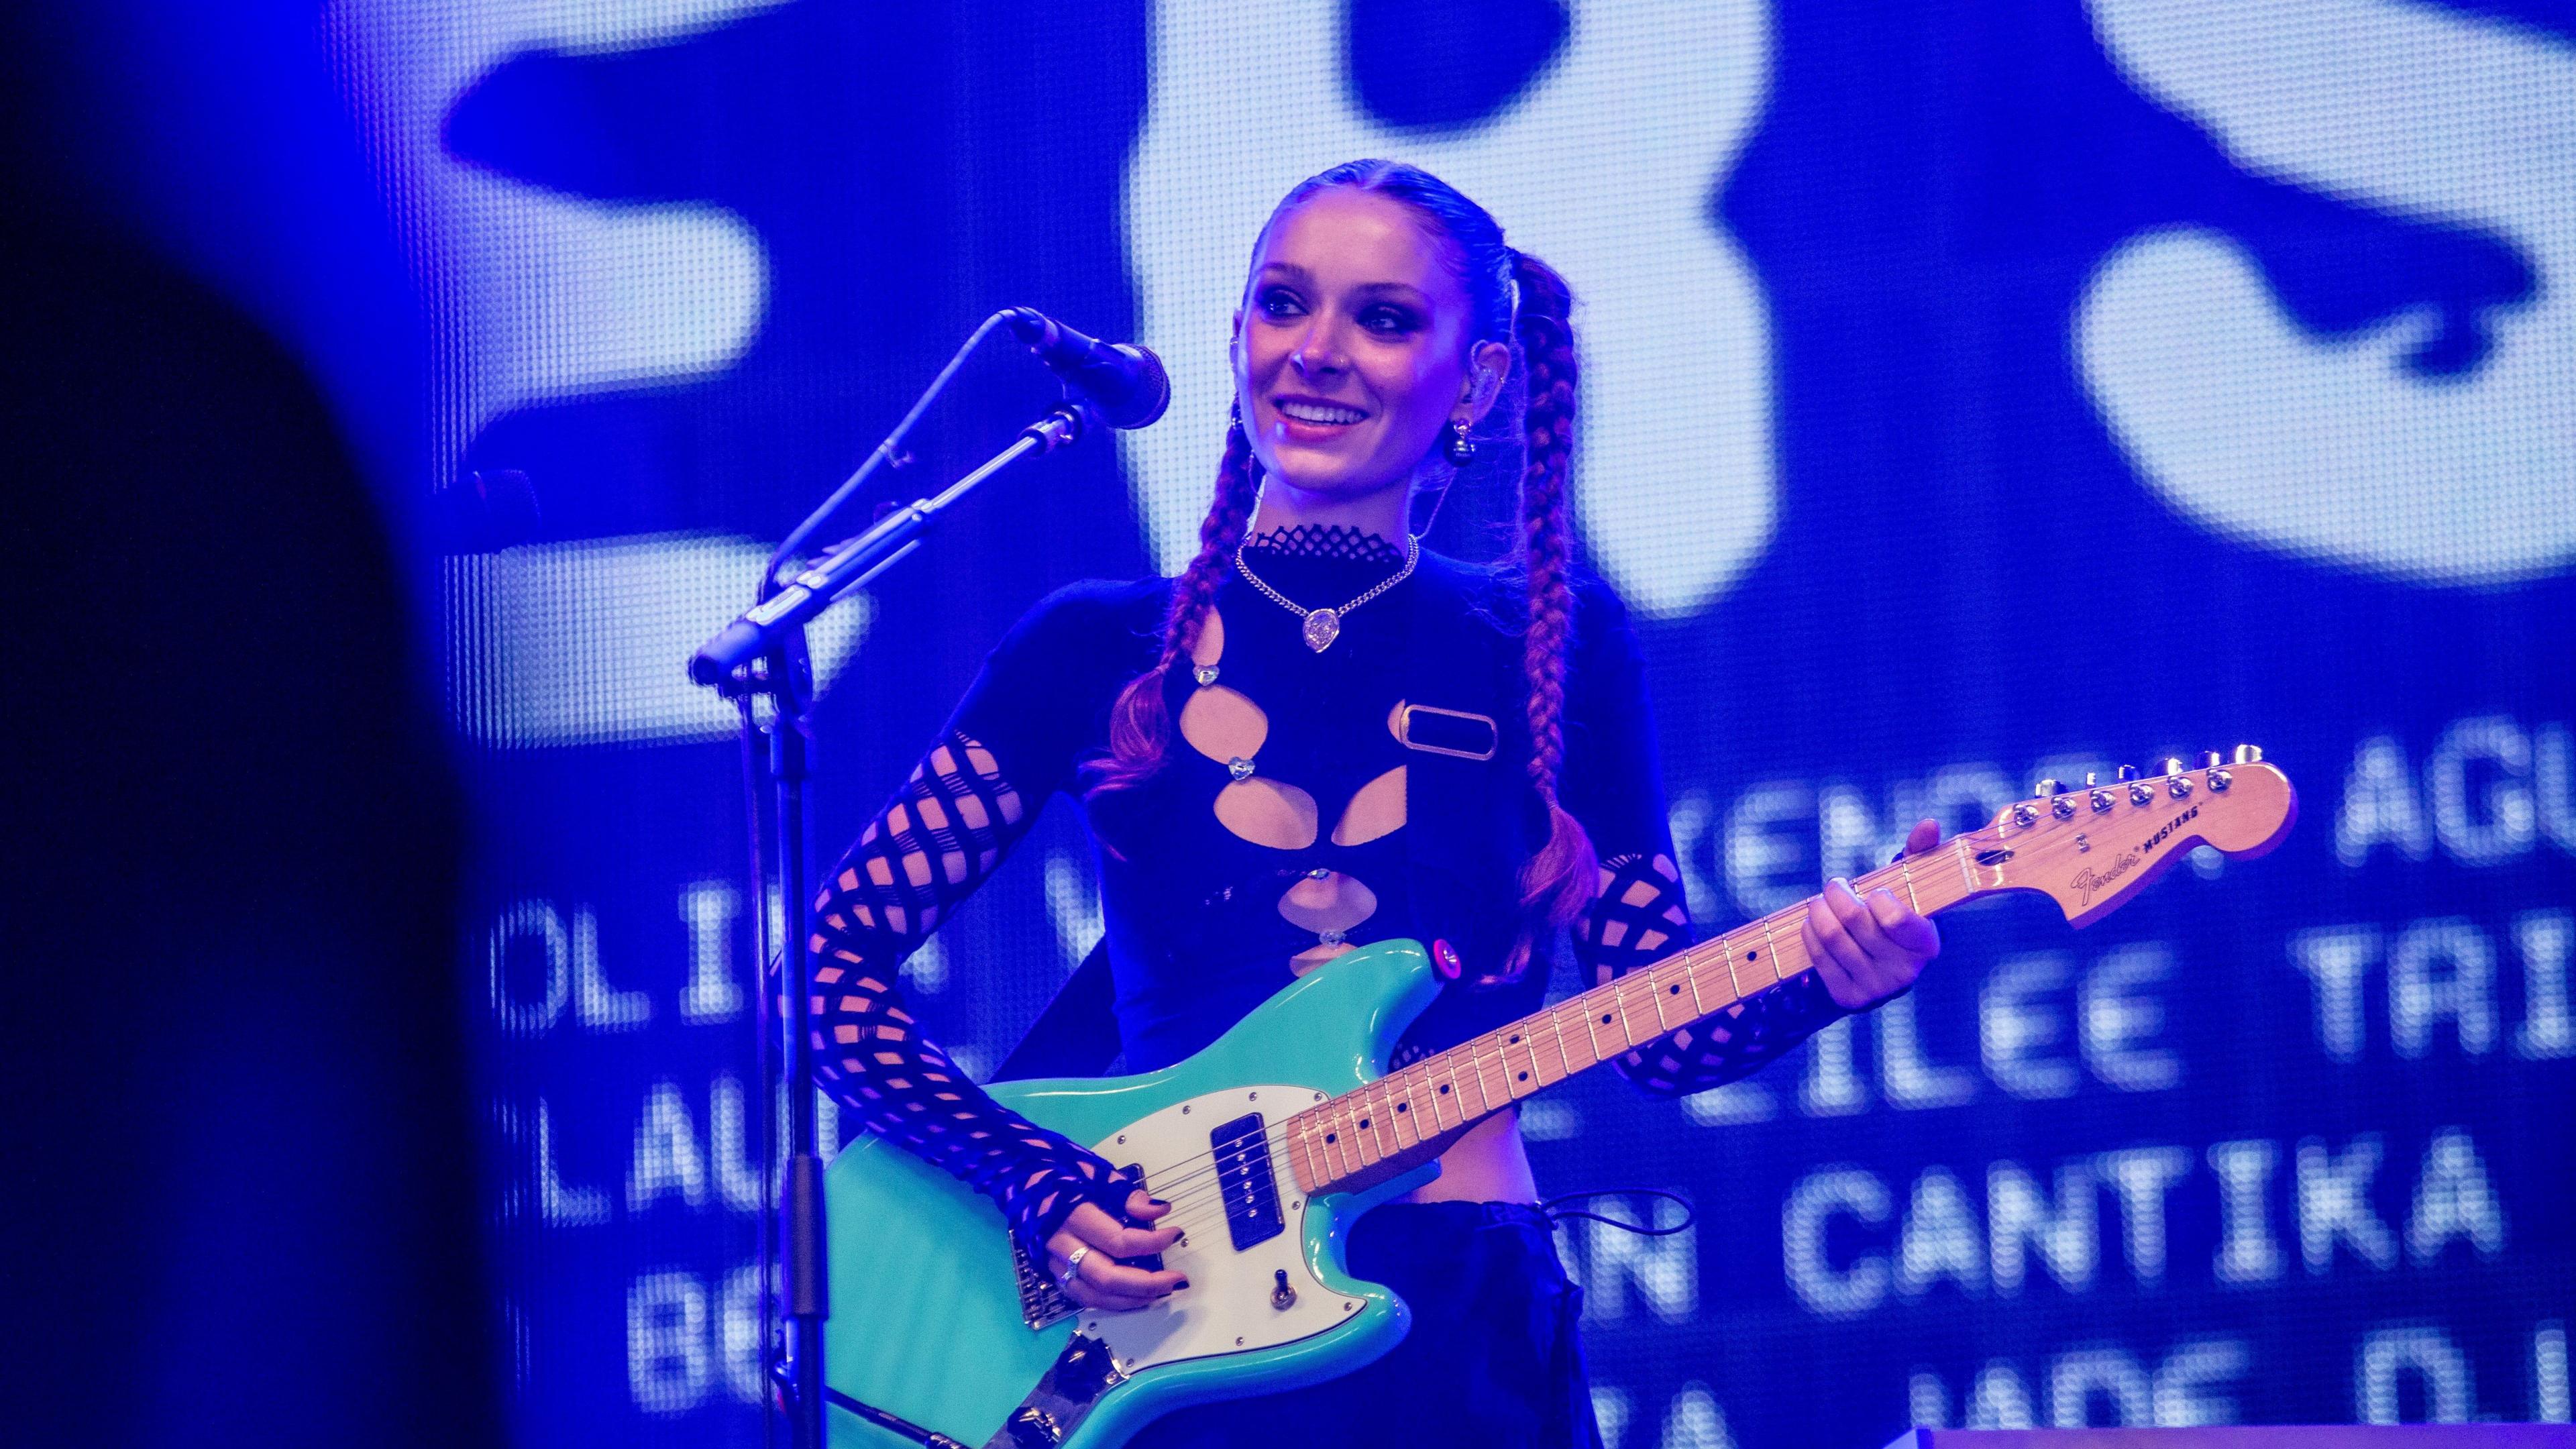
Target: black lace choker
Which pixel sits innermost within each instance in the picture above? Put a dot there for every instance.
(1327, 540)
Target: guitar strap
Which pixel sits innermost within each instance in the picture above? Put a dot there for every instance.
(1077, 1034)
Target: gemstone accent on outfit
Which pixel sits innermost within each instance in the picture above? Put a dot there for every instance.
(1205, 674)
(1239, 767)
(1323, 626)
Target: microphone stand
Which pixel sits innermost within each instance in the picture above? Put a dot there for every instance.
(763, 653)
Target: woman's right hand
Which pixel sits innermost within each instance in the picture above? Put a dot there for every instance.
(1101, 1280)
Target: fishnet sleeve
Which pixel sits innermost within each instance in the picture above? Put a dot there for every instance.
(1639, 919)
(938, 839)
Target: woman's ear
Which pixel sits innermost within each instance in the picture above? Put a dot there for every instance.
(1489, 365)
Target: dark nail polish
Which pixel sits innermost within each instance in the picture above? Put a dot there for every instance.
(1184, 1283)
(1158, 1202)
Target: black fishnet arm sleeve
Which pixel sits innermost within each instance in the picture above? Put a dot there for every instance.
(1640, 919)
(1009, 746)
(1614, 785)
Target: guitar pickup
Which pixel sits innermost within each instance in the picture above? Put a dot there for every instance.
(1243, 1174)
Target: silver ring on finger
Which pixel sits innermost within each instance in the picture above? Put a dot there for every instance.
(1073, 1265)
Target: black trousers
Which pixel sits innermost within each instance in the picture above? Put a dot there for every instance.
(1492, 1359)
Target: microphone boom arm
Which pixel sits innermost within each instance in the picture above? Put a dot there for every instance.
(853, 564)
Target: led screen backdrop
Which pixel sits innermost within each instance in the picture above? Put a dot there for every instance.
(1975, 393)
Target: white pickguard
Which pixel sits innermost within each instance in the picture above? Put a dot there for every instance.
(1227, 1308)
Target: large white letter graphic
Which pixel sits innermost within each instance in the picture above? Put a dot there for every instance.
(2330, 448)
(1606, 165)
(542, 295)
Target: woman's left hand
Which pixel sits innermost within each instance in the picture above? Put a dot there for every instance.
(1871, 948)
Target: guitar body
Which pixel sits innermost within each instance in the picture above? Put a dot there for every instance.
(930, 1304)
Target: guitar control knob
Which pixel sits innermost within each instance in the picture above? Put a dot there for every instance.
(1282, 1297)
(2249, 754)
(1084, 1368)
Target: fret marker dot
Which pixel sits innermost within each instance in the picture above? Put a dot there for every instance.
(1444, 1090)
(1363, 1122)
(1400, 1106)
(1605, 1018)
(1677, 991)
(1524, 1076)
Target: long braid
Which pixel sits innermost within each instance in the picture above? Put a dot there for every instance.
(1563, 877)
(1140, 726)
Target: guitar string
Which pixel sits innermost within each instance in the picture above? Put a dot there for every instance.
(1492, 1049)
(1488, 1051)
(1190, 1192)
(1194, 1184)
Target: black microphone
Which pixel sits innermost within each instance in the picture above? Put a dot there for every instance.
(1124, 381)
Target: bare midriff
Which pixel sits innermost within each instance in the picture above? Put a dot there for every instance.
(1489, 1164)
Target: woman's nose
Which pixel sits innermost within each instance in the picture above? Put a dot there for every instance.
(1317, 351)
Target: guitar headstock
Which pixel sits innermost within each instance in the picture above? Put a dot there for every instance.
(2092, 847)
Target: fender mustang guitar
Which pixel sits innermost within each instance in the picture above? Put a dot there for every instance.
(1273, 1140)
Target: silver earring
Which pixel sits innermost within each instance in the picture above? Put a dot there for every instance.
(1460, 448)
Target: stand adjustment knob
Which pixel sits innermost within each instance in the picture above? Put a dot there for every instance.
(1035, 1428)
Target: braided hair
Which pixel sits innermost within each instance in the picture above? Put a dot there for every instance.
(1520, 301)
(1140, 723)
(1563, 877)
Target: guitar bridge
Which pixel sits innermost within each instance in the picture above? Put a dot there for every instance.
(1041, 1301)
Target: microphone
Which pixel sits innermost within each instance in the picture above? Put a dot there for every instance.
(1123, 381)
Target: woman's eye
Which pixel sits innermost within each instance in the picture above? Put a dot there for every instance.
(1279, 304)
(1387, 321)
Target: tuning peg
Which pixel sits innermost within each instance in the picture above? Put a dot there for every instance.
(2249, 754)
(2175, 780)
(2100, 797)
(2219, 779)
(2172, 765)
(2126, 772)
(2053, 790)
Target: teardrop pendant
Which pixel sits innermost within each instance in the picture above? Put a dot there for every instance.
(1323, 627)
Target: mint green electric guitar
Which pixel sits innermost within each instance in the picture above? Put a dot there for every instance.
(1272, 1141)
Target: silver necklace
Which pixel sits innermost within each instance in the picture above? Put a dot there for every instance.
(1323, 626)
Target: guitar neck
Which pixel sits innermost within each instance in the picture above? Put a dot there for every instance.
(2088, 850)
(1407, 1117)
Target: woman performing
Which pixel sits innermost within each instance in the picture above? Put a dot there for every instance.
(1317, 737)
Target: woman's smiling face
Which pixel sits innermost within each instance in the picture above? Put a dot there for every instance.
(1351, 349)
